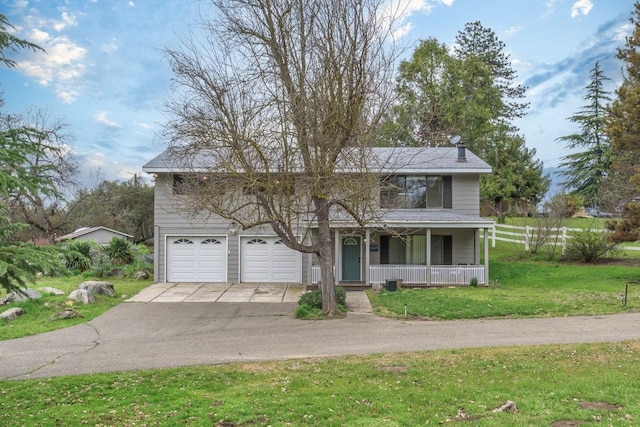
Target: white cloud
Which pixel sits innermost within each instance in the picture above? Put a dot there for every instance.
(581, 7)
(513, 30)
(66, 20)
(38, 37)
(61, 61)
(447, 2)
(109, 47)
(102, 118)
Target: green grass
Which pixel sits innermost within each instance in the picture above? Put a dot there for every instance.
(529, 286)
(440, 387)
(36, 320)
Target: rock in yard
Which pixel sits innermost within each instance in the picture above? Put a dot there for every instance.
(377, 287)
(52, 291)
(507, 406)
(98, 287)
(22, 295)
(67, 313)
(12, 313)
(142, 275)
(83, 295)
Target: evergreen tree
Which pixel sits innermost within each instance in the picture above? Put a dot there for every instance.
(20, 262)
(622, 126)
(480, 43)
(469, 91)
(587, 170)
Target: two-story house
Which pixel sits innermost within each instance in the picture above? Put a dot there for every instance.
(427, 230)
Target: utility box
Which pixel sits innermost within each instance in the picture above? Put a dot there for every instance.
(392, 284)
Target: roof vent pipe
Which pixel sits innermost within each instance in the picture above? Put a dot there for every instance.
(462, 152)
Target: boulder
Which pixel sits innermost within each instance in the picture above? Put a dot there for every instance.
(142, 275)
(377, 287)
(67, 313)
(22, 295)
(52, 291)
(98, 287)
(82, 295)
(12, 314)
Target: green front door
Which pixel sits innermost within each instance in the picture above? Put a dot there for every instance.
(351, 259)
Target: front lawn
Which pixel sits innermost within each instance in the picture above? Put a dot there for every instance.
(595, 384)
(36, 320)
(528, 287)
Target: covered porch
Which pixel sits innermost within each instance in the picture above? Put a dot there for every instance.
(447, 252)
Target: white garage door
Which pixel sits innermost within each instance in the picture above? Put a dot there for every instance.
(267, 259)
(196, 259)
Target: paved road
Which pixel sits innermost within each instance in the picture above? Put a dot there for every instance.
(136, 336)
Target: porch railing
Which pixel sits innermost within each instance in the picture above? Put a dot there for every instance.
(417, 274)
(456, 274)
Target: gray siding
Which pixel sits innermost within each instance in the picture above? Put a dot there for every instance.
(170, 220)
(466, 194)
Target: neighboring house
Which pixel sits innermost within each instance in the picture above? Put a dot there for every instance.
(101, 235)
(427, 230)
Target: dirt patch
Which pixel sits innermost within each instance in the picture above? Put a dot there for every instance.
(599, 405)
(566, 423)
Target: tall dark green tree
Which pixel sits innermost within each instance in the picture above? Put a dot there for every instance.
(587, 169)
(9, 42)
(475, 42)
(19, 262)
(623, 128)
(470, 91)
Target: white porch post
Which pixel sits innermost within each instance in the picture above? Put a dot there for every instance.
(367, 240)
(476, 246)
(486, 256)
(428, 256)
(336, 259)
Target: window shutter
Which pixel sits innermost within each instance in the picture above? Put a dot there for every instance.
(447, 192)
(447, 250)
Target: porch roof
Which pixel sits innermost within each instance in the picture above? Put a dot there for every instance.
(415, 218)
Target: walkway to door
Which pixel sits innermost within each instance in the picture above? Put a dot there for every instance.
(220, 292)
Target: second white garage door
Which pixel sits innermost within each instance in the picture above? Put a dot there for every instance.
(268, 259)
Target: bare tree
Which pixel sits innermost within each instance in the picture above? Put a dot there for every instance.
(277, 105)
(49, 161)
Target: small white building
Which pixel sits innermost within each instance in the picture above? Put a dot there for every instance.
(101, 235)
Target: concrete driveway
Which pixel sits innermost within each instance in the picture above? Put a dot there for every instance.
(139, 335)
(220, 292)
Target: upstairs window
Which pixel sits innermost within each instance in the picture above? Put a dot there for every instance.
(412, 192)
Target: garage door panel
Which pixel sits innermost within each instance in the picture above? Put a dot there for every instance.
(267, 259)
(196, 259)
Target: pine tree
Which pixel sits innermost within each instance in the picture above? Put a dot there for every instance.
(587, 169)
(622, 126)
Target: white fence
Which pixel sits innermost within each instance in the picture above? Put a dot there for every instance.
(525, 235)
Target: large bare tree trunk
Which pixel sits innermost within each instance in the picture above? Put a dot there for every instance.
(326, 260)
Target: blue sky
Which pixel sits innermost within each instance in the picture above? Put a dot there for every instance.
(104, 72)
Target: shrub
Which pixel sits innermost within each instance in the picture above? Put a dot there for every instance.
(588, 246)
(473, 282)
(313, 299)
(120, 251)
(77, 255)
